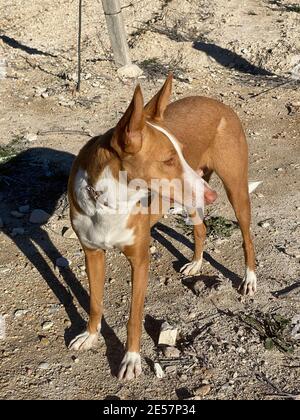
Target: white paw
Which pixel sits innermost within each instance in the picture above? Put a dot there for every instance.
(84, 341)
(131, 366)
(249, 283)
(192, 268)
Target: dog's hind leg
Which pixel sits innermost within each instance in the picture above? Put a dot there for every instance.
(235, 180)
(239, 198)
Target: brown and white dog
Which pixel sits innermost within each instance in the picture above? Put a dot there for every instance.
(191, 137)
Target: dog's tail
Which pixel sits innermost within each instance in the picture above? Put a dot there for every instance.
(252, 185)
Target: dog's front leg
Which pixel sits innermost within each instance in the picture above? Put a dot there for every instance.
(95, 261)
(139, 260)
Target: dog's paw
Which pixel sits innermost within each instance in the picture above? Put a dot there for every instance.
(248, 286)
(84, 341)
(131, 366)
(192, 268)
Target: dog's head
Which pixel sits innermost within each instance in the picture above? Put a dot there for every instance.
(149, 152)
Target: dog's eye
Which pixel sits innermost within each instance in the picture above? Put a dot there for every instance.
(169, 162)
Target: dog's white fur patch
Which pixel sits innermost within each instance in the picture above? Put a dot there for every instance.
(84, 341)
(249, 283)
(131, 366)
(101, 226)
(192, 268)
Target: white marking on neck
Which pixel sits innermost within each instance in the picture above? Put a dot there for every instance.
(101, 226)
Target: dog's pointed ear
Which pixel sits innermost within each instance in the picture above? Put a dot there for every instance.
(128, 132)
(156, 107)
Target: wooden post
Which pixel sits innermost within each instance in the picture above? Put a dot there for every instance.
(116, 30)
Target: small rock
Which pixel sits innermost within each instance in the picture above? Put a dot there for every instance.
(171, 370)
(45, 95)
(67, 323)
(39, 216)
(47, 325)
(252, 185)
(69, 233)
(87, 76)
(17, 214)
(75, 359)
(24, 209)
(66, 102)
(44, 341)
(162, 280)
(266, 223)
(202, 391)
(20, 312)
(198, 287)
(71, 76)
(171, 352)
(44, 366)
(39, 91)
(17, 231)
(30, 137)
(158, 371)
(168, 334)
(152, 249)
(62, 262)
(296, 104)
(129, 71)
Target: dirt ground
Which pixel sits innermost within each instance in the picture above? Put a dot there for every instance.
(244, 53)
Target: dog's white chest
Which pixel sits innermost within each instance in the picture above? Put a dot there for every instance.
(99, 226)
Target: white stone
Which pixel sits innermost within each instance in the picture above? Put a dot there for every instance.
(129, 71)
(69, 234)
(152, 249)
(47, 325)
(158, 371)
(44, 366)
(168, 335)
(20, 312)
(30, 137)
(252, 185)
